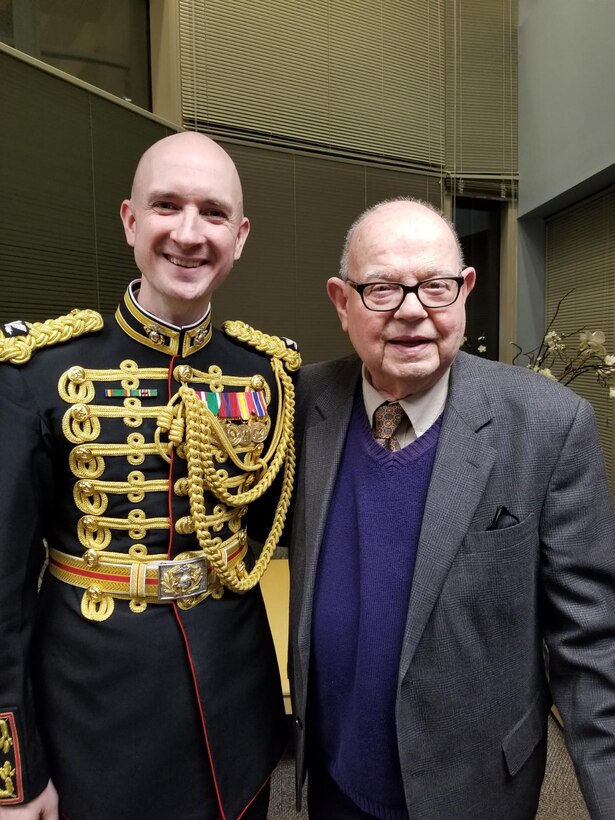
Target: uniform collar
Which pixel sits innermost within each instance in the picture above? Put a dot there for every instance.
(158, 334)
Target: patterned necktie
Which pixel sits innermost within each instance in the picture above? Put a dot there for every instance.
(387, 419)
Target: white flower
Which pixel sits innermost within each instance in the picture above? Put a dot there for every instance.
(544, 371)
(553, 340)
(481, 349)
(609, 360)
(592, 340)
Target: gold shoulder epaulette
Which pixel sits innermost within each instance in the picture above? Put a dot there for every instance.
(271, 345)
(18, 340)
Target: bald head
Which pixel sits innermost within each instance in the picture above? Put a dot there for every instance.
(396, 212)
(187, 146)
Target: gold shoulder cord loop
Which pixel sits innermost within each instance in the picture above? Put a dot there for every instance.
(19, 349)
(274, 346)
(201, 429)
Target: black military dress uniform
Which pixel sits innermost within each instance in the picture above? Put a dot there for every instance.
(142, 678)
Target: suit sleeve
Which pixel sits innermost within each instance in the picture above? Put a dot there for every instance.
(578, 582)
(25, 482)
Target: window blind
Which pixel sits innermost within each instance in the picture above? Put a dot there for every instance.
(580, 256)
(480, 57)
(364, 76)
(428, 84)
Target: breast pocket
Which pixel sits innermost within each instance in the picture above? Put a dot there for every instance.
(515, 538)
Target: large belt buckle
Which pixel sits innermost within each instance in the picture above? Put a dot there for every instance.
(182, 578)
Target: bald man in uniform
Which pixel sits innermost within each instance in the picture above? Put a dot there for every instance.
(141, 681)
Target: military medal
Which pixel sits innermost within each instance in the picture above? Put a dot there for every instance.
(248, 407)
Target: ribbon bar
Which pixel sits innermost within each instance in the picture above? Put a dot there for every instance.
(235, 405)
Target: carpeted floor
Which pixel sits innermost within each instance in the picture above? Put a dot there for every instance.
(560, 798)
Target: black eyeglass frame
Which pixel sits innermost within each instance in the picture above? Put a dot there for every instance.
(406, 289)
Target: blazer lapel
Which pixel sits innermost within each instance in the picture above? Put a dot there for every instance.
(461, 469)
(326, 425)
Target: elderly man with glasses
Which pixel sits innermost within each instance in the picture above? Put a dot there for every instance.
(452, 514)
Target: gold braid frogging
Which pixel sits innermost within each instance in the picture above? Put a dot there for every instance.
(200, 427)
(19, 349)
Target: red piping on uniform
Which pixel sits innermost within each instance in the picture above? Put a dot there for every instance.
(259, 791)
(196, 687)
(170, 490)
(178, 619)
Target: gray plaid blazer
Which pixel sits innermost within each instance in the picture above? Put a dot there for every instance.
(473, 690)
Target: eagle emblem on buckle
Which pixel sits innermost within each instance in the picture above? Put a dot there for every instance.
(182, 579)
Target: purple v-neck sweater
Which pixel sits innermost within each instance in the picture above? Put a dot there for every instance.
(360, 605)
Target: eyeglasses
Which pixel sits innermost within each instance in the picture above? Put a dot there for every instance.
(432, 293)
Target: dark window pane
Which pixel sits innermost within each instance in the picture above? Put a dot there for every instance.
(104, 43)
(478, 225)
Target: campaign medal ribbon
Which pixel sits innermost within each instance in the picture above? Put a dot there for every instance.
(249, 407)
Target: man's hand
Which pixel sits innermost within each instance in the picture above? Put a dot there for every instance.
(44, 807)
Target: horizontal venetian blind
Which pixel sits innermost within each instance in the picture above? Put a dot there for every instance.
(431, 84)
(362, 76)
(580, 256)
(481, 96)
(68, 156)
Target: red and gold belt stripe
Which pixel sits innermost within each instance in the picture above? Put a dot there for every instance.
(122, 576)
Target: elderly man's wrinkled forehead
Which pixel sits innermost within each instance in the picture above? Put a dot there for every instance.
(408, 221)
(185, 158)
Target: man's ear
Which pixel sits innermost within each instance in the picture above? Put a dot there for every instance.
(242, 235)
(128, 221)
(338, 293)
(470, 280)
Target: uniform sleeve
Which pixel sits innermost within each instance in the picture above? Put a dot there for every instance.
(25, 482)
(578, 575)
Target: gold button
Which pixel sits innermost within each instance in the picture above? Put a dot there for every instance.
(91, 558)
(83, 453)
(183, 373)
(181, 486)
(257, 382)
(76, 375)
(80, 412)
(95, 594)
(90, 523)
(185, 525)
(85, 487)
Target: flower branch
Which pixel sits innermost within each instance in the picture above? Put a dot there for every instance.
(564, 357)
(556, 357)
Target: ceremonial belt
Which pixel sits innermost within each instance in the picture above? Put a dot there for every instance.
(151, 578)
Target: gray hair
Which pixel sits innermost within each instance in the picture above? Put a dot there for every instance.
(362, 217)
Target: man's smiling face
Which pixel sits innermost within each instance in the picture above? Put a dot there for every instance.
(185, 222)
(407, 350)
